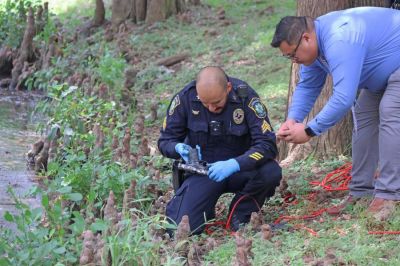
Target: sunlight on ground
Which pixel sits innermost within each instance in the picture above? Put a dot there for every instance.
(61, 6)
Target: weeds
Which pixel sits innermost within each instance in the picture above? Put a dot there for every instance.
(79, 181)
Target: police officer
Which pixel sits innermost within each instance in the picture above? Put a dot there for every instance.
(359, 47)
(226, 119)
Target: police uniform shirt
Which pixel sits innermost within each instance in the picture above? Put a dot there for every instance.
(241, 131)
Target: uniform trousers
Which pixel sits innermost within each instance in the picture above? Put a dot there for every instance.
(198, 195)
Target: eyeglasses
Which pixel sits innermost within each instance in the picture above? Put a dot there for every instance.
(292, 55)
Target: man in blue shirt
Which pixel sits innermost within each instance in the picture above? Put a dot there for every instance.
(225, 118)
(360, 49)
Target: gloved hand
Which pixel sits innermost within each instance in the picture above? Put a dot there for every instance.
(183, 150)
(199, 152)
(220, 170)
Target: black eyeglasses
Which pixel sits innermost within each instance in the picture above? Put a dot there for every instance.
(292, 55)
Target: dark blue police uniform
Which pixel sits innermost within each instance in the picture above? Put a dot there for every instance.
(244, 133)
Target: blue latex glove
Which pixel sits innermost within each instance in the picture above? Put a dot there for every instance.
(220, 170)
(183, 150)
(198, 152)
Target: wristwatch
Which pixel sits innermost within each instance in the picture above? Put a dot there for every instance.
(309, 132)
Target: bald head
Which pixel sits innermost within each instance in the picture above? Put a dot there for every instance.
(213, 88)
(212, 76)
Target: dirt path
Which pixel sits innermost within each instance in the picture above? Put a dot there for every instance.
(16, 135)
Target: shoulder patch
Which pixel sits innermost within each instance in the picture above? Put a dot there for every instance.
(175, 102)
(258, 108)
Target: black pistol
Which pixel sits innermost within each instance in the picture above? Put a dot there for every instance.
(181, 169)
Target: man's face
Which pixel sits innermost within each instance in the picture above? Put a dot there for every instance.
(304, 52)
(213, 98)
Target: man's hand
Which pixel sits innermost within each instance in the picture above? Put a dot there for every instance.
(284, 129)
(295, 134)
(220, 170)
(183, 150)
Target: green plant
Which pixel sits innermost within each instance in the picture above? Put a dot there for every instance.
(32, 243)
(12, 21)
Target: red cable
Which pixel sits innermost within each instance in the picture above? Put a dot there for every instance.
(228, 222)
(341, 176)
(300, 217)
(384, 232)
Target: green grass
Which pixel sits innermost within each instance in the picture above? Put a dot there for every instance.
(242, 48)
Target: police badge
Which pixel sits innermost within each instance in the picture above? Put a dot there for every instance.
(258, 108)
(238, 116)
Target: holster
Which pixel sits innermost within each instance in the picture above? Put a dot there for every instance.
(178, 175)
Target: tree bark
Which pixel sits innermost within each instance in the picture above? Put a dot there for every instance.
(338, 139)
(120, 11)
(133, 11)
(180, 6)
(100, 13)
(39, 19)
(26, 50)
(158, 10)
(149, 11)
(380, 3)
(141, 8)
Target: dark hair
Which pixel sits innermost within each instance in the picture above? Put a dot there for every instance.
(289, 29)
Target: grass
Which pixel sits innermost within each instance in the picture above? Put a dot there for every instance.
(242, 48)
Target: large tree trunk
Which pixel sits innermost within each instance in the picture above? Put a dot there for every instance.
(338, 139)
(158, 10)
(133, 11)
(120, 11)
(149, 11)
(99, 13)
(140, 7)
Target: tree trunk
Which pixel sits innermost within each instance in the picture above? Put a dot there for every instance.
(26, 50)
(120, 11)
(100, 13)
(381, 3)
(180, 6)
(338, 139)
(39, 20)
(158, 10)
(140, 7)
(149, 11)
(133, 11)
(195, 2)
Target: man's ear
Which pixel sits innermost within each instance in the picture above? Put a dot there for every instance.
(229, 86)
(307, 36)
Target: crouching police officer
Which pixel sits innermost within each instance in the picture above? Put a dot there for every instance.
(226, 119)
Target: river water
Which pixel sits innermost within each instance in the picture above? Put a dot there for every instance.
(17, 133)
